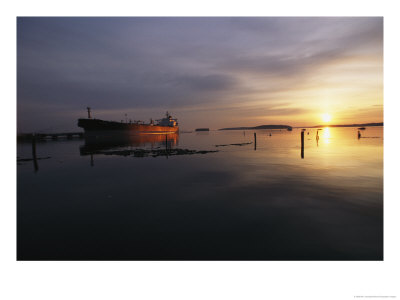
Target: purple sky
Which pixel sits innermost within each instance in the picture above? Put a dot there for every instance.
(208, 72)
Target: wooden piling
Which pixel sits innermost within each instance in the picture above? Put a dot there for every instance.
(302, 144)
(359, 134)
(33, 146)
(35, 164)
(255, 141)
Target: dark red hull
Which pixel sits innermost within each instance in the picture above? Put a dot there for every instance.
(91, 125)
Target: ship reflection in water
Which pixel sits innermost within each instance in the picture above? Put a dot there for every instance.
(101, 142)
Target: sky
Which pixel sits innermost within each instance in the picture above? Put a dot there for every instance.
(207, 72)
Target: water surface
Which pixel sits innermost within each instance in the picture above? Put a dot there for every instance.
(260, 201)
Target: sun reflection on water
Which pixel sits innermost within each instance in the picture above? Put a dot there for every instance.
(326, 135)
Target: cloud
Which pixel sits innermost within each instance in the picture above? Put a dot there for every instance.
(163, 63)
(212, 82)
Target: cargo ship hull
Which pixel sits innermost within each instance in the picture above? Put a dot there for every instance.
(95, 125)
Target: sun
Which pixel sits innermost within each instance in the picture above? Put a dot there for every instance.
(326, 117)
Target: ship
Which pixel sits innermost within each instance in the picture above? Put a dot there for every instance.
(164, 125)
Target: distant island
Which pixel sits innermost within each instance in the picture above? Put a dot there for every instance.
(259, 127)
(290, 127)
(350, 125)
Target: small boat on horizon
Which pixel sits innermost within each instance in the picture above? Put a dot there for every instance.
(361, 128)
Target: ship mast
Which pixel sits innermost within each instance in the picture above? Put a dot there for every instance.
(88, 112)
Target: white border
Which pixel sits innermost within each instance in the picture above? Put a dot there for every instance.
(197, 280)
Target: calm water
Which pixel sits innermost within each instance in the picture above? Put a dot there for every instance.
(235, 204)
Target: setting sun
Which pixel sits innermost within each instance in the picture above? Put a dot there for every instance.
(326, 117)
